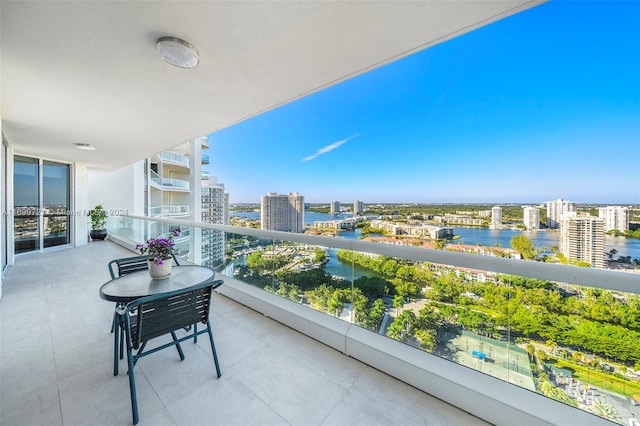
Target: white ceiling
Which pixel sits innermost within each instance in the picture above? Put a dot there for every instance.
(87, 71)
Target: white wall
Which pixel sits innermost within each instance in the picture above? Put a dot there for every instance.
(119, 190)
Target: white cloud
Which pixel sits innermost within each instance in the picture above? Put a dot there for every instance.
(329, 148)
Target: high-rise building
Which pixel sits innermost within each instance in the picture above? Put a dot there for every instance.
(281, 212)
(555, 210)
(496, 215)
(358, 207)
(582, 239)
(179, 188)
(215, 209)
(335, 207)
(531, 218)
(615, 217)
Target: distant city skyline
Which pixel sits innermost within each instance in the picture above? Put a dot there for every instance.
(538, 106)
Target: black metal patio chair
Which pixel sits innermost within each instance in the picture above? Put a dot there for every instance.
(127, 265)
(155, 316)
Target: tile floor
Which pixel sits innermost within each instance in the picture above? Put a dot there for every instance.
(56, 363)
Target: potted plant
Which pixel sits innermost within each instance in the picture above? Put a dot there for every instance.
(98, 217)
(160, 252)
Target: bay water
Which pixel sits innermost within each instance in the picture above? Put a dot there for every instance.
(484, 236)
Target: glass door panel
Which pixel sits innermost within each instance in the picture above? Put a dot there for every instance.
(56, 204)
(26, 185)
(4, 230)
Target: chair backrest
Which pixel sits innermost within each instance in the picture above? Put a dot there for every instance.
(127, 265)
(160, 314)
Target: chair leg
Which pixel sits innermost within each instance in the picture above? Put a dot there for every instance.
(178, 347)
(121, 344)
(195, 333)
(213, 349)
(116, 344)
(132, 382)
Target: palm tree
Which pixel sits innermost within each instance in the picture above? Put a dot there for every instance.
(604, 410)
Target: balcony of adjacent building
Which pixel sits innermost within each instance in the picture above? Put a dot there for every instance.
(168, 184)
(174, 160)
(205, 159)
(172, 210)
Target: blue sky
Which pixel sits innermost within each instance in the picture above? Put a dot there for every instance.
(541, 105)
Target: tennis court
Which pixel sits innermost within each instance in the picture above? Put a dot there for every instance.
(494, 357)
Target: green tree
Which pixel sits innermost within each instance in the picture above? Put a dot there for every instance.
(319, 297)
(522, 244)
(427, 339)
(335, 305)
(542, 355)
(288, 291)
(530, 349)
(320, 256)
(373, 287)
(398, 302)
(407, 289)
(376, 314)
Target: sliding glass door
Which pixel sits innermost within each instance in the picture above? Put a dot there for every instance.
(41, 204)
(56, 204)
(26, 190)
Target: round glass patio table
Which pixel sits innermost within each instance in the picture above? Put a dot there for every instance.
(139, 284)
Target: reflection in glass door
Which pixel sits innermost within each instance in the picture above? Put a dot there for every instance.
(55, 196)
(26, 184)
(41, 204)
(4, 232)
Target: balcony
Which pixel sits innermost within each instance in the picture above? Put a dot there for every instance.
(168, 184)
(498, 388)
(56, 367)
(205, 159)
(171, 158)
(177, 210)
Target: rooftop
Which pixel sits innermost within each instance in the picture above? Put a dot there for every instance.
(56, 363)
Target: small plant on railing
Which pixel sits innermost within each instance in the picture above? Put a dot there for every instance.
(159, 249)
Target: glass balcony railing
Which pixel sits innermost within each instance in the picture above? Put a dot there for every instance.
(570, 334)
(175, 184)
(168, 183)
(178, 210)
(205, 159)
(156, 180)
(173, 158)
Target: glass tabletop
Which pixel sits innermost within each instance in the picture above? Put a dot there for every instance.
(132, 286)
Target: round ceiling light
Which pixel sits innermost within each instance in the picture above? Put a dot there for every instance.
(86, 146)
(177, 52)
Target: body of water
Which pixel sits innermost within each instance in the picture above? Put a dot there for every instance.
(484, 236)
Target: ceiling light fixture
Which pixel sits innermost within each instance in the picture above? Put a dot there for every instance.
(177, 52)
(86, 146)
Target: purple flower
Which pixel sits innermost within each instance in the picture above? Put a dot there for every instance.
(159, 249)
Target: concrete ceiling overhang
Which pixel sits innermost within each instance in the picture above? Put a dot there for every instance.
(87, 71)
